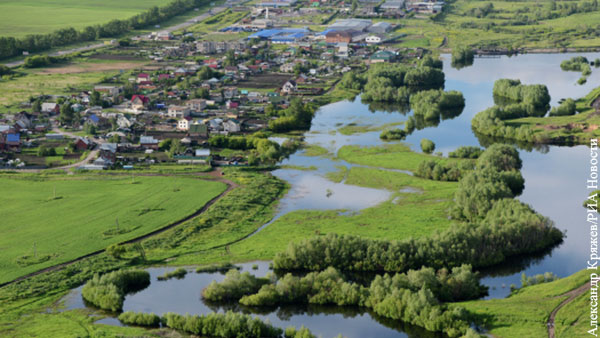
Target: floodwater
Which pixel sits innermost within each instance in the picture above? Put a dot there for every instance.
(555, 180)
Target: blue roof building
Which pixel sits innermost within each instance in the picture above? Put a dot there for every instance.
(13, 138)
(281, 35)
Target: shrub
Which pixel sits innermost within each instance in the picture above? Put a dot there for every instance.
(234, 286)
(45, 150)
(466, 152)
(427, 146)
(116, 250)
(393, 134)
(107, 291)
(443, 171)
(568, 107)
(223, 325)
(178, 273)
(139, 319)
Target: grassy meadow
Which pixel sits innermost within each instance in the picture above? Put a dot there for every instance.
(504, 26)
(525, 312)
(49, 220)
(22, 17)
(417, 208)
(62, 79)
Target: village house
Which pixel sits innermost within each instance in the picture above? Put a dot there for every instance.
(82, 143)
(232, 126)
(148, 142)
(139, 102)
(183, 124)
(196, 105)
(50, 108)
(289, 87)
(178, 112)
(164, 36)
(142, 78)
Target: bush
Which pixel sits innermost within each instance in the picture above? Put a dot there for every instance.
(223, 325)
(139, 319)
(471, 152)
(116, 250)
(443, 171)
(576, 63)
(393, 134)
(108, 291)
(434, 105)
(38, 61)
(427, 146)
(462, 56)
(568, 107)
(45, 150)
(233, 287)
(178, 273)
(535, 99)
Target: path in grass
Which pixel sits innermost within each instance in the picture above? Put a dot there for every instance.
(572, 295)
(215, 175)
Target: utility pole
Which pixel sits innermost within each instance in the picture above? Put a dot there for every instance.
(34, 250)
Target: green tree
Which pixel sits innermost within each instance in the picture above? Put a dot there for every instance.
(427, 146)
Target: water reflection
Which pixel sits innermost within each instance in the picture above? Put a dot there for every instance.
(183, 296)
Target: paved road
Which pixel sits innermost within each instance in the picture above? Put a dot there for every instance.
(98, 45)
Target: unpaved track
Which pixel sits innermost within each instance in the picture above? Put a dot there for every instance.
(572, 295)
(217, 173)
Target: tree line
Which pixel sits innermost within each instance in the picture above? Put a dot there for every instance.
(493, 226)
(10, 46)
(413, 297)
(222, 325)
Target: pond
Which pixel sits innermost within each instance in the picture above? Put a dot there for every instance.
(554, 186)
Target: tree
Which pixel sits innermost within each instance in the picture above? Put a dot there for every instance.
(89, 128)
(427, 146)
(45, 150)
(37, 106)
(116, 250)
(176, 148)
(67, 115)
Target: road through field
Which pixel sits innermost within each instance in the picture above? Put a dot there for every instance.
(170, 29)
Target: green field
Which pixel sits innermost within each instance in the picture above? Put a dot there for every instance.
(46, 221)
(22, 17)
(62, 79)
(526, 311)
(510, 24)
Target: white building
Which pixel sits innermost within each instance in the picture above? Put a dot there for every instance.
(374, 39)
(183, 124)
(178, 112)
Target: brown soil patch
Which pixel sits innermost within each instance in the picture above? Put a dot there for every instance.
(90, 67)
